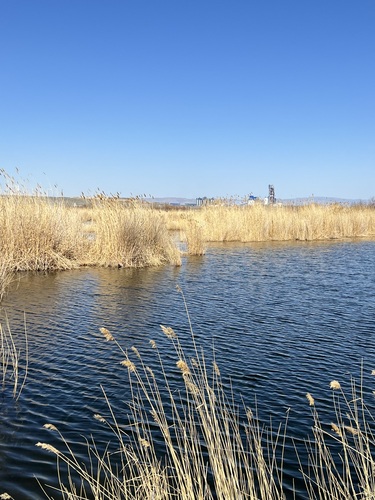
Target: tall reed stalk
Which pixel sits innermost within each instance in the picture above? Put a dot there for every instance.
(341, 456)
(13, 351)
(195, 442)
(209, 450)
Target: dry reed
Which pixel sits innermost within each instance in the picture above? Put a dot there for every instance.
(13, 351)
(276, 223)
(129, 235)
(209, 450)
(341, 459)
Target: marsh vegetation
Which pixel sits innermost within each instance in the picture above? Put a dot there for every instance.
(191, 439)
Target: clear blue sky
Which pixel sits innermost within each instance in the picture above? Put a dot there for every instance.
(190, 97)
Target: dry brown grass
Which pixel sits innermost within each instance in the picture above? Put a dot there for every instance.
(129, 235)
(40, 233)
(36, 234)
(277, 223)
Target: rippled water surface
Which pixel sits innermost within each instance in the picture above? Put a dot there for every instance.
(285, 319)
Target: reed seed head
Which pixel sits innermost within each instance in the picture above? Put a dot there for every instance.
(136, 352)
(351, 429)
(335, 385)
(107, 334)
(192, 388)
(336, 429)
(373, 372)
(48, 447)
(144, 443)
(51, 427)
(129, 364)
(5, 496)
(216, 369)
(169, 332)
(310, 399)
(182, 365)
(153, 344)
(99, 417)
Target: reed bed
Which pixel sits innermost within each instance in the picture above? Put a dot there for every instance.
(38, 233)
(212, 448)
(276, 222)
(129, 235)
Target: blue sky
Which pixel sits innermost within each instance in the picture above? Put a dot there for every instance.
(189, 98)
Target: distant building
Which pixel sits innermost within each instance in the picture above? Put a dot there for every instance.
(204, 201)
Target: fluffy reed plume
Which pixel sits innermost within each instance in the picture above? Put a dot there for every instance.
(226, 222)
(310, 399)
(168, 331)
(335, 385)
(107, 334)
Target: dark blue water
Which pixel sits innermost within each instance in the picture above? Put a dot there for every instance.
(284, 319)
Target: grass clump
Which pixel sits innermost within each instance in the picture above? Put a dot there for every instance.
(36, 234)
(129, 234)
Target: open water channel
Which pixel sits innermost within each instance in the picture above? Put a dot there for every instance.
(285, 319)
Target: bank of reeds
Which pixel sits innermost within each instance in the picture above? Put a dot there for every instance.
(195, 442)
(260, 222)
(38, 233)
(131, 234)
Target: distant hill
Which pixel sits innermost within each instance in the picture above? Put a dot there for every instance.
(287, 201)
(321, 200)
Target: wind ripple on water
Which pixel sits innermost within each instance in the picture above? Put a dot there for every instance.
(280, 319)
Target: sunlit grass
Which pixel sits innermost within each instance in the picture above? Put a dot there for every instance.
(196, 441)
(259, 222)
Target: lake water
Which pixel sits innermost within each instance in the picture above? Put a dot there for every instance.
(285, 319)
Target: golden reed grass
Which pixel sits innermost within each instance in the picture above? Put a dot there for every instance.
(276, 223)
(210, 447)
(39, 233)
(209, 450)
(130, 234)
